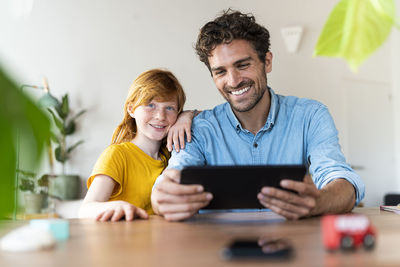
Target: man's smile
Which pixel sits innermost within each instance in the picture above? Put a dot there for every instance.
(241, 91)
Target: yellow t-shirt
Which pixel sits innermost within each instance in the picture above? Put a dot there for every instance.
(134, 171)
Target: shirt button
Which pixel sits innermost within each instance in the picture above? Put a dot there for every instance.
(255, 145)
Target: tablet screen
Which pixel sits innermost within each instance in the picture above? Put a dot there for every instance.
(236, 187)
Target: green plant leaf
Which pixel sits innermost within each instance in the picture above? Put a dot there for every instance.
(70, 128)
(54, 138)
(78, 115)
(355, 29)
(27, 185)
(20, 119)
(44, 180)
(48, 101)
(60, 155)
(59, 124)
(26, 173)
(64, 107)
(71, 125)
(74, 146)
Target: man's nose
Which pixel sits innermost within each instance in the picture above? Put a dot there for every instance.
(234, 78)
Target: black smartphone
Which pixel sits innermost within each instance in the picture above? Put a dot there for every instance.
(276, 249)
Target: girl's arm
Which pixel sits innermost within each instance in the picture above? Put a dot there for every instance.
(182, 126)
(96, 204)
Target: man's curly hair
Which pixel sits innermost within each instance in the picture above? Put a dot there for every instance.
(232, 25)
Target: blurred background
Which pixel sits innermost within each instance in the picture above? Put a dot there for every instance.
(94, 49)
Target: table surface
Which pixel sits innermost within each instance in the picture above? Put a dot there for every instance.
(199, 242)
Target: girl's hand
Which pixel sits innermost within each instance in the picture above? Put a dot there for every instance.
(182, 126)
(119, 210)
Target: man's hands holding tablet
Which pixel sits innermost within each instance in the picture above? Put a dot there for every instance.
(177, 202)
(290, 205)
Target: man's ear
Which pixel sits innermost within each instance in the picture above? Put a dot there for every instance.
(130, 110)
(268, 62)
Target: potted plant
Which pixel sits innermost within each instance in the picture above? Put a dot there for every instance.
(62, 186)
(35, 190)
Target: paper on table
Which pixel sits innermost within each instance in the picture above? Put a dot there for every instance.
(395, 209)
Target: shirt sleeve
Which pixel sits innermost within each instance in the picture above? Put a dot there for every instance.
(324, 154)
(109, 163)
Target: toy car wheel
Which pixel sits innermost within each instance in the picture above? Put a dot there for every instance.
(347, 243)
(369, 241)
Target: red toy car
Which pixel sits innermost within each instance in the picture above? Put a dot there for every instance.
(347, 232)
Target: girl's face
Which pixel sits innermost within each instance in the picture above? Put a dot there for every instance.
(154, 119)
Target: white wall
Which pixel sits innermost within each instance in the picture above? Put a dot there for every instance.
(95, 49)
(396, 99)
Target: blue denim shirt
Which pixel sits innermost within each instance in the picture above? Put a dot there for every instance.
(297, 131)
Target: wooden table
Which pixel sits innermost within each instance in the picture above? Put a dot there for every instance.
(198, 242)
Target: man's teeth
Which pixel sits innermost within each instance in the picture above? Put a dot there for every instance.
(239, 92)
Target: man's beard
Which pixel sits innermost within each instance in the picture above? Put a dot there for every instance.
(253, 100)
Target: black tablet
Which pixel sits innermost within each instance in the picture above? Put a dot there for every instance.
(236, 187)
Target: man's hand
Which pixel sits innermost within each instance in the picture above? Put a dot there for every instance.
(177, 202)
(290, 205)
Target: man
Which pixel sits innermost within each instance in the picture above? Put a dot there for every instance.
(257, 126)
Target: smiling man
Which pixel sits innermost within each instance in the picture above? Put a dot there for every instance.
(258, 127)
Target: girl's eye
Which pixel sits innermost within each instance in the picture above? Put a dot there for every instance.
(151, 105)
(170, 108)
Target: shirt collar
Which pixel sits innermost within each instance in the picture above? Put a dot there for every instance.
(273, 111)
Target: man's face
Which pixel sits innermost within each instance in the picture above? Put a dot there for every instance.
(239, 75)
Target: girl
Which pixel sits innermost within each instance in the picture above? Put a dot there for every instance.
(121, 181)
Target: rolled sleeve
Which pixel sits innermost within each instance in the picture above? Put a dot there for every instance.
(326, 159)
(349, 176)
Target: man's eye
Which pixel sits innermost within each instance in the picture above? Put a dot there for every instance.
(219, 73)
(243, 66)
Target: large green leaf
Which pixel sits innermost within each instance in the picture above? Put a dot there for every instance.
(20, 119)
(355, 29)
